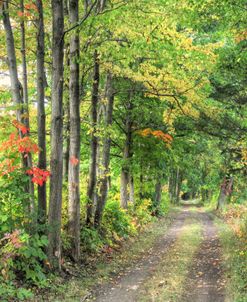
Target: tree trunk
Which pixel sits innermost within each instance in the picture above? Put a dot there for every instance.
(24, 67)
(94, 141)
(74, 167)
(225, 192)
(157, 199)
(141, 188)
(56, 164)
(131, 189)
(222, 198)
(105, 161)
(16, 88)
(173, 185)
(42, 207)
(66, 146)
(27, 160)
(170, 184)
(178, 185)
(124, 194)
(127, 154)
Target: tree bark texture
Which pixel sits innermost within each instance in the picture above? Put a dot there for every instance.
(66, 127)
(16, 88)
(105, 158)
(41, 83)
(26, 160)
(172, 185)
(127, 154)
(56, 163)
(74, 154)
(178, 185)
(94, 141)
(131, 189)
(141, 187)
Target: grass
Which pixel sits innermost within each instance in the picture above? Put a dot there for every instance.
(167, 284)
(235, 258)
(74, 288)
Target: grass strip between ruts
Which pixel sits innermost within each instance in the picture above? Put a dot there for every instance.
(168, 281)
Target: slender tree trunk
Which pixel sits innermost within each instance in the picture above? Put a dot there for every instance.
(56, 165)
(225, 192)
(18, 93)
(24, 67)
(66, 104)
(105, 161)
(222, 198)
(157, 199)
(66, 142)
(141, 195)
(127, 154)
(41, 108)
(131, 189)
(74, 167)
(172, 185)
(27, 160)
(124, 194)
(178, 185)
(94, 141)
(16, 88)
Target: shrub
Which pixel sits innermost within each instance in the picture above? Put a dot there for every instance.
(91, 240)
(21, 258)
(141, 212)
(13, 203)
(117, 220)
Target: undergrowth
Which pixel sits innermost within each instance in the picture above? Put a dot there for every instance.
(233, 234)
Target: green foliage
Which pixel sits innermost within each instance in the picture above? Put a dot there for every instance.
(21, 263)
(142, 212)
(9, 292)
(164, 206)
(118, 224)
(91, 240)
(117, 220)
(13, 202)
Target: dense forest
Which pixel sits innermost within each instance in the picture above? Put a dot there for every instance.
(112, 112)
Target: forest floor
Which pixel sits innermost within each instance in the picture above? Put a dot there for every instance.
(184, 264)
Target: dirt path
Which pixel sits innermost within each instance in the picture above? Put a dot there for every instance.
(206, 278)
(202, 283)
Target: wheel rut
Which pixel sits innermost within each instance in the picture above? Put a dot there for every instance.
(203, 283)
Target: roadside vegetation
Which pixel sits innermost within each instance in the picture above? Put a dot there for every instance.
(233, 233)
